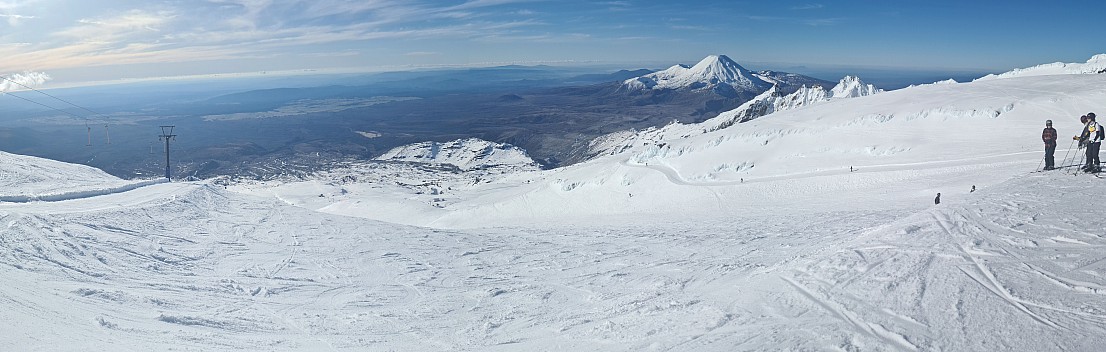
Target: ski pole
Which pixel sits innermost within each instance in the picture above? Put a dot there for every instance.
(1039, 165)
(1065, 163)
(1075, 159)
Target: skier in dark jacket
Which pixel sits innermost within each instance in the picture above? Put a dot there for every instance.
(938, 199)
(1091, 138)
(1049, 137)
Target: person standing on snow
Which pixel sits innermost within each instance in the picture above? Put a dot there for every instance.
(1080, 146)
(1049, 137)
(938, 199)
(1091, 138)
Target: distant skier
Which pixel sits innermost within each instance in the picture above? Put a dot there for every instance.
(973, 189)
(1049, 137)
(1091, 138)
(938, 199)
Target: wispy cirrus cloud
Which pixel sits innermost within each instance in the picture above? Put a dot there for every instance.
(823, 22)
(234, 29)
(814, 22)
(689, 27)
(15, 20)
(808, 7)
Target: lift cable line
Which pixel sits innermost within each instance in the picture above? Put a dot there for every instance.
(51, 96)
(167, 134)
(85, 118)
(45, 106)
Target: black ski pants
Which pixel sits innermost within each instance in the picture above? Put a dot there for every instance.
(1092, 154)
(1050, 158)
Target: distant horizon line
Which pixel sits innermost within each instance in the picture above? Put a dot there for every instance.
(594, 64)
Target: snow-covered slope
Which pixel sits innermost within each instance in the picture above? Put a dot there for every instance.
(707, 74)
(906, 145)
(26, 178)
(1096, 64)
(189, 266)
(466, 154)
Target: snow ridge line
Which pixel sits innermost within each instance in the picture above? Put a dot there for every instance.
(80, 194)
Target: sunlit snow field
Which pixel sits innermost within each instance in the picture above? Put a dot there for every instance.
(666, 246)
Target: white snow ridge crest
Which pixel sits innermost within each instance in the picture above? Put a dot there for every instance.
(773, 101)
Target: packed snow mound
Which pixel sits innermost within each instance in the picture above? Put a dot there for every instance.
(1097, 64)
(466, 154)
(712, 71)
(27, 178)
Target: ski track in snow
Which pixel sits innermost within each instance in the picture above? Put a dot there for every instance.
(195, 267)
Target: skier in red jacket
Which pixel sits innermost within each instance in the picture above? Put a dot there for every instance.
(1049, 137)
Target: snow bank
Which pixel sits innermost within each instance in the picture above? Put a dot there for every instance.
(1096, 64)
(27, 178)
(86, 193)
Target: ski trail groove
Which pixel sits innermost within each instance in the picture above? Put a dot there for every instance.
(989, 281)
(871, 329)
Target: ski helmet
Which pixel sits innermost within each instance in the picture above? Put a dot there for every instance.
(1090, 115)
(1048, 122)
(1083, 119)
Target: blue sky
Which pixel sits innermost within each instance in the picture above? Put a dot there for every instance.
(116, 39)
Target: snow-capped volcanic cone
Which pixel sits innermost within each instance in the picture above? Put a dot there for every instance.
(711, 72)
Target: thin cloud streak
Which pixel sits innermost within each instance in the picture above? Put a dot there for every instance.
(251, 30)
(808, 7)
(795, 20)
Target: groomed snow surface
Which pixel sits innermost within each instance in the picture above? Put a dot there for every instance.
(753, 237)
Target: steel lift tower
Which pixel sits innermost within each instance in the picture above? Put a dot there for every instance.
(167, 134)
